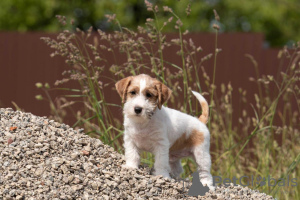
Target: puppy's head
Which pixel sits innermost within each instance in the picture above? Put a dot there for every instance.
(142, 95)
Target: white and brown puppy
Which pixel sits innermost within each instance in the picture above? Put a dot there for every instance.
(167, 133)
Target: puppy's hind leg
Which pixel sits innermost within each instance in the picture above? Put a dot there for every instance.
(176, 168)
(202, 158)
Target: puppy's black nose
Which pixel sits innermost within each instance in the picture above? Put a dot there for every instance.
(138, 110)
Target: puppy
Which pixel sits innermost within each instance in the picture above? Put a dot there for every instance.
(167, 133)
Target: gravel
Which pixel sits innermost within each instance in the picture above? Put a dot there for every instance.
(43, 159)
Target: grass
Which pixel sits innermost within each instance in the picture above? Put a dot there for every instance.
(255, 147)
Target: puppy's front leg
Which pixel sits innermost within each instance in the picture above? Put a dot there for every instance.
(161, 165)
(132, 156)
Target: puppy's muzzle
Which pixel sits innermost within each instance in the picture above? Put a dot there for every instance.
(138, 110)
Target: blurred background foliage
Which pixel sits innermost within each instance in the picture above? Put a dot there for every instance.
(279, 20)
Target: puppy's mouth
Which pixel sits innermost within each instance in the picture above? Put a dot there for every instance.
(149, 113)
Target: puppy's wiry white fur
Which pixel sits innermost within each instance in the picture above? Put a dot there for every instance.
(167, 133)
(142, 85)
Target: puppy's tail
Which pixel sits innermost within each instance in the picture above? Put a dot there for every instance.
(205, 110)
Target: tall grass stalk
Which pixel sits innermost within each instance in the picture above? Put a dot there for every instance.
(216, 27)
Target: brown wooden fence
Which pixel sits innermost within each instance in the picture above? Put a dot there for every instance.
(25, 61)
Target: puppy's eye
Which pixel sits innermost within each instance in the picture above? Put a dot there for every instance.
(148, 95)
(132, 93)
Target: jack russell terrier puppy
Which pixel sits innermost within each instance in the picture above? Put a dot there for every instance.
(167, 133)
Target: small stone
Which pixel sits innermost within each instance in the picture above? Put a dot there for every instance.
(39, 171)
(38, 145)
(64, 169)
(13, 128)
(86, 153)
(70, 178)
(76, 187)
(160, 181)
(95, 186)
(9, 141)
(5, 164)
(87, 148)
(19, 197)
(12, 192)
(9, 176)
(74, 156)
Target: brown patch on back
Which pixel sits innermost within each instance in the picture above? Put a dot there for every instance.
(195, 138)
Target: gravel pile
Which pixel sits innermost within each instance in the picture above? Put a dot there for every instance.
(43, 159)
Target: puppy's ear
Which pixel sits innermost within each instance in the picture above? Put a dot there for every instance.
(122, 87)
(164, 93)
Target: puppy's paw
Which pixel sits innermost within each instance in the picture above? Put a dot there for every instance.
(129, 166)
(211, 188)
(167, 176)
(209, 184)
(164, 174)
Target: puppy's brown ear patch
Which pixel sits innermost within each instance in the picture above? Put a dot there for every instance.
(164, 93)
(122, 87)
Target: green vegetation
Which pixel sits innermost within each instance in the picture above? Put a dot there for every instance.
(277, 19)
(247, 149)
